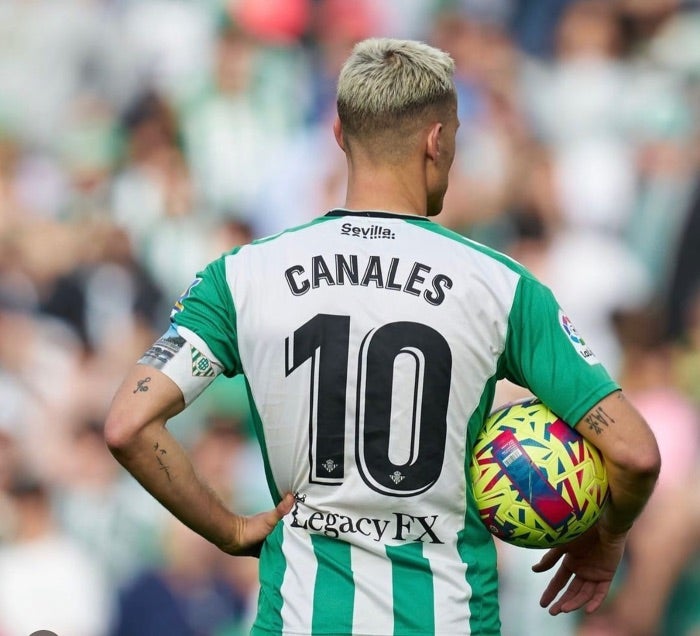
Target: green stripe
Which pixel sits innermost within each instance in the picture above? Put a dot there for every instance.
(412, 581)
(475, 543)
(207, 303)
(334, 589)
(271, 574)
(260, 434)
(316, 221)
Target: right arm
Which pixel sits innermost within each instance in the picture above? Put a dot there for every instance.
(632, 464)
(160, 386)
(137, 436)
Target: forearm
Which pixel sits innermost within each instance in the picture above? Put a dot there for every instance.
(136, 435)
(632, 459)
(629, 493)
(156, 459)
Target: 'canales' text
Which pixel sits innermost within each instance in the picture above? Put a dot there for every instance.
(346, 270)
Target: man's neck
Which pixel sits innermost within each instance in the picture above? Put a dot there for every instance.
(389, 191)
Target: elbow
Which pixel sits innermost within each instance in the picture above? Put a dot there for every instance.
(647, 458)
(642, 460)
(645, 470)
(651, 469)
(119, 433)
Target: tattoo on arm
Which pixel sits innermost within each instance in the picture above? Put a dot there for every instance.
(598, 420)
(141, 385)
(160, 453)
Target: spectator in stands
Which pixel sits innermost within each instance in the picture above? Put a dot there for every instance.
(46, 580)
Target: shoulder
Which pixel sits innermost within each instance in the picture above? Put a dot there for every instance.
(479, 250)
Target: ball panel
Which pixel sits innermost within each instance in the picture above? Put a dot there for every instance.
(529, 480)
(537, 481)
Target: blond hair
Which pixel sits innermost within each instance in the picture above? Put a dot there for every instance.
(386, 84)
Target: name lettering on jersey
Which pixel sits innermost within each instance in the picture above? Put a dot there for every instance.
(365, 232)
(398, 526)
(372, 271)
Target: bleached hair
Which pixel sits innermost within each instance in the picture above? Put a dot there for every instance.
(386, 82)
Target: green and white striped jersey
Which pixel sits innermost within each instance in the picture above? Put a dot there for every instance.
(371, 344)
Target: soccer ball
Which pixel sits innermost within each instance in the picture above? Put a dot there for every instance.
(537, 482)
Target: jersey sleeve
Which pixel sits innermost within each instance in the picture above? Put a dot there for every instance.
(206, 310)
(545, 354)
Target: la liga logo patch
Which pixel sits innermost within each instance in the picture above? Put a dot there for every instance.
(178, 306)
(575, 339)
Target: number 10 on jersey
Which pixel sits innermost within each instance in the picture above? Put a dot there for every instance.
(325, 342)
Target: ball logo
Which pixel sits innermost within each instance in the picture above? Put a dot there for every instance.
(576, 340)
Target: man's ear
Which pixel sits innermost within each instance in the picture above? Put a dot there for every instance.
(338, 132)
(432, 143)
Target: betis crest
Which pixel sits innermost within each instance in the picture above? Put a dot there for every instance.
(201, 366)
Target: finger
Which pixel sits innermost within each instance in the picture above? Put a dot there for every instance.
(548, 560)
(285, 506)
(259, 526)
(559, 580)
(580, 593)
(270, 518)
(599, 596)
(576, 595)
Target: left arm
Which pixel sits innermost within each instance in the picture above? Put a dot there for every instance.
(136, 434)
(632, 464)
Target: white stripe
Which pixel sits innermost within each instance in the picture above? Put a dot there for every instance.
(450, 589)
(374, 607)
(298, 584)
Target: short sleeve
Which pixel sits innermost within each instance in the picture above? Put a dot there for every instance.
(207, 310)
(545, 354)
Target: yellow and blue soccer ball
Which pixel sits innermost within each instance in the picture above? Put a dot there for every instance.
(537, 482)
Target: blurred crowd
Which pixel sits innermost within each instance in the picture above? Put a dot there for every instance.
(141, 138)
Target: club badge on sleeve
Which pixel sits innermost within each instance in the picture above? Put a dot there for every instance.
(185, 359)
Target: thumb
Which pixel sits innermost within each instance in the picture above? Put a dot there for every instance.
(255, 529)
(285, 505)
(270, 518)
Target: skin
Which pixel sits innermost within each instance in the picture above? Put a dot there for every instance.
(417, 185)
(136, 430)
(136, 434)
(632, 462)
(672, 528)
(414, 185)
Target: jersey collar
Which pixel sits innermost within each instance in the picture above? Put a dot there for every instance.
(376, 214)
